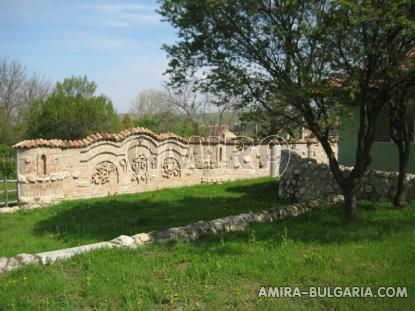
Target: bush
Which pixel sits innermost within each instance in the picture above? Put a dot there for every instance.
(168, 122)
(73, 111)
(7, 162)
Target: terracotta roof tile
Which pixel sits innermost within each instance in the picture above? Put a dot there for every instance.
(93, 138)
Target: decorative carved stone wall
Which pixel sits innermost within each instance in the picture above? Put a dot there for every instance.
(140, 168)
(135, 160)
(171, 168)
(103, 173)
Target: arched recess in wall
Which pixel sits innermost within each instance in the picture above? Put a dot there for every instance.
(142, 148)
(43, 164)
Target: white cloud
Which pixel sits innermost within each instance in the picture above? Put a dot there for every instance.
(85, 41)
(143, 18)
(116, 24)
(123, 14)
(82, 13)
(114, 8)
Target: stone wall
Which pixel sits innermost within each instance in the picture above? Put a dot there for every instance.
(306, 179)
(138, 160)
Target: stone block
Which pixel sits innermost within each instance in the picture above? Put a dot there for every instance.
(123, 240)
(26, 258)
(8, 264)
(141, 238)
(52, 256)
(3, 263)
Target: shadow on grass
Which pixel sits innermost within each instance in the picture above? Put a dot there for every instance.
(377, 221)
(106, 218)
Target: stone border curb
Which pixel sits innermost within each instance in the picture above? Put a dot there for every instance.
(8, 210)
(188, 233)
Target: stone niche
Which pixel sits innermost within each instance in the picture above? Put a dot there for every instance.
(40, 175)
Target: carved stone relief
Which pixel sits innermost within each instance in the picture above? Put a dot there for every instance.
(142, 159)
(140, 168)
(32, 178)
(171, 168)
(123, 164)
(103, 172)
(154, 163)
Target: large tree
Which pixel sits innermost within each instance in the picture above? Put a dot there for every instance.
(187, 103)
(401, 114)
(150, 102)
(73, 111)
(313, 58)
(19, 90)
(169, 110)
(270, 123)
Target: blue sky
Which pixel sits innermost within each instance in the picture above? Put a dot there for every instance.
(115, 43)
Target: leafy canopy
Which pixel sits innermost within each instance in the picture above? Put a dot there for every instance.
(307, 61)
(7, 163)
(73, 111)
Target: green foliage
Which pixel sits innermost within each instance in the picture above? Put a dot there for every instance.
(251, 50)
(187, 130)
(126, 121)
(170, 122)
(73, 111)
(75, 87)
(151, 122)
(269, 123)
(7, 133)
(303, 60)
(6, 150)
(7, 162)
(7, 166)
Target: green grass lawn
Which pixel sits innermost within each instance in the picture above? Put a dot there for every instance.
(225, 272)
(217, 272)
(82, 222)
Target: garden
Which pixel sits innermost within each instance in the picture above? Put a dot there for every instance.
(216, 272)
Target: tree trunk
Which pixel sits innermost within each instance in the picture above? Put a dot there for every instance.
(350, 206)
(347, 185)
(400, 199)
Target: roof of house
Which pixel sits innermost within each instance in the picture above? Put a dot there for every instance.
(341, 80)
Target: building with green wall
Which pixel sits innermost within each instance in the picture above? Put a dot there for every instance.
(384, 152)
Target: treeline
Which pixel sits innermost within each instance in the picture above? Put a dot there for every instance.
(182, 111)
(31, 108)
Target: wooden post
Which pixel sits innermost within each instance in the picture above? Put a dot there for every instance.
(5, 192)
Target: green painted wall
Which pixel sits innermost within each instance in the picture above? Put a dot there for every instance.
(384, 154)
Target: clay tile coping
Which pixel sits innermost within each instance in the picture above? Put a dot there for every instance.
(93, 138)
